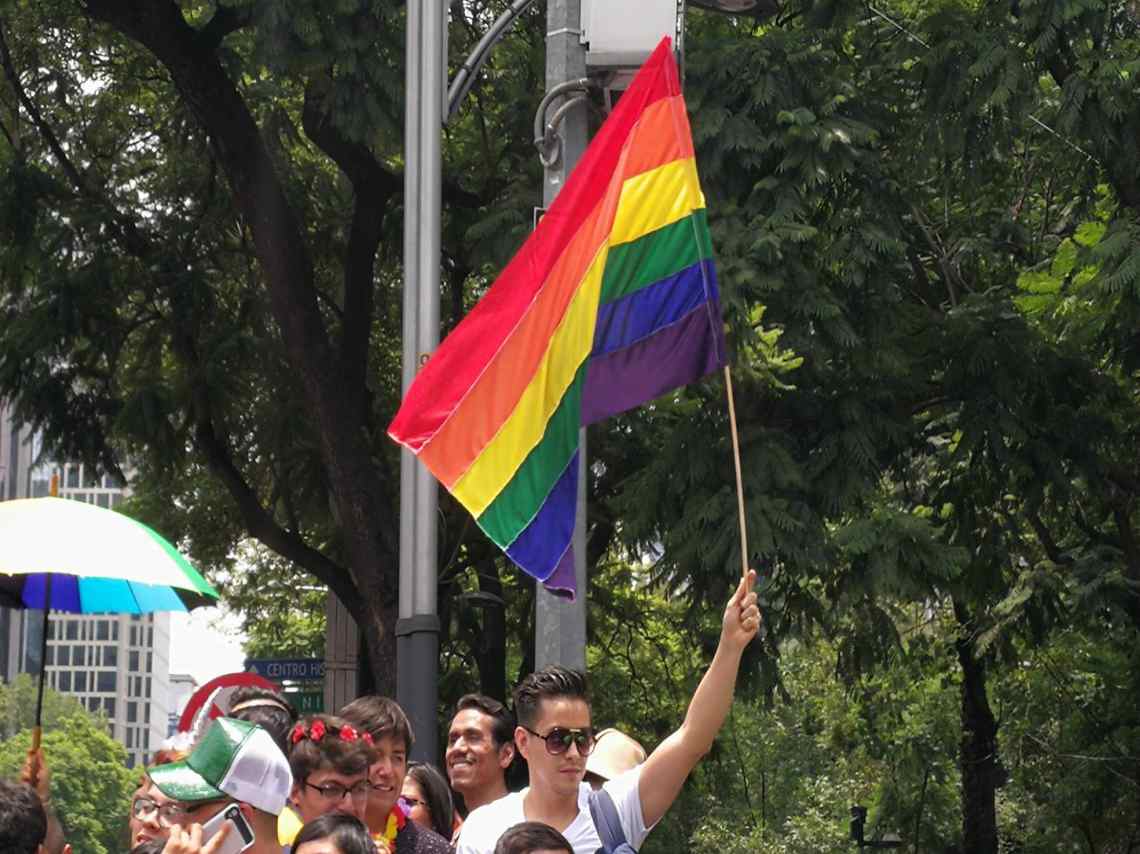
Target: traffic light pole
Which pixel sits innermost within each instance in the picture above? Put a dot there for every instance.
(417, 630)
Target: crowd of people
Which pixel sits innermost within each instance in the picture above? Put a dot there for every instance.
(262, 782)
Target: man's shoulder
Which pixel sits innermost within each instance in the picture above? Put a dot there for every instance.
(414, 839)
(483, 826)
(508, 803)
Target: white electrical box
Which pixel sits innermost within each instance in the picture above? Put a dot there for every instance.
(622, 33)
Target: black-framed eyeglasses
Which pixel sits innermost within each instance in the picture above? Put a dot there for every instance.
(335, 791)
(559, 739)
(169, 814)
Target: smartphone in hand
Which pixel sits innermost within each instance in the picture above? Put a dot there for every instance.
(240, 836)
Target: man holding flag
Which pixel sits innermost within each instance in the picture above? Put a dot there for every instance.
(610, 303)
(555, 734)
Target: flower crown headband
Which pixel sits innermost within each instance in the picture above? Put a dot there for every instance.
(317, 731)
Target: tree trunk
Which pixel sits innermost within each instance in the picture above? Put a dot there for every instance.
(982, 774)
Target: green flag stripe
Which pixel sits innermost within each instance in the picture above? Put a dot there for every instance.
(657, 255)
(515, 506)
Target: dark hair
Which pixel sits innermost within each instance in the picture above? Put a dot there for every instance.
(307, 755)
(346, 832)
(23, 822)
(151, 846)
(553, 681)
(437, 795)
(380, 717)
(266, 708)
(532, 836)
(503, 725)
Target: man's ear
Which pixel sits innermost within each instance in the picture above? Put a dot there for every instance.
(506, 754)
(522, 741)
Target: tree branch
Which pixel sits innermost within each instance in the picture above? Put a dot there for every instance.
(261, 525)
(373, 187)
(226, 20)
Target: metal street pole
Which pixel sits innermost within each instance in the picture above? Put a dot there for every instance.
(560, 626)
(417, 630)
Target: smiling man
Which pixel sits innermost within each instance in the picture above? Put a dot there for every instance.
(480, 748)
(391, 733)
(555, 735)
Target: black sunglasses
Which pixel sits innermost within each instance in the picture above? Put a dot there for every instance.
(559, 739)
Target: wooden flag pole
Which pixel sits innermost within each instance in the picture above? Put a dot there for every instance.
(739, 477)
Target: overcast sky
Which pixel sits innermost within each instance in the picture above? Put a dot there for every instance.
(205, 643)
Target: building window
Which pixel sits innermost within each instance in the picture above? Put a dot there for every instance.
(107, 681)
(146, 693)
(133, 661)
(130, 737)
(150, 636)
(78, 656)
(81, 682)
(62, 655)
(102, 630)
(50, 660)
(146, 709)
(110, 656)
(134, 635)
(150, 662)
(114, 630)
(132, 713)
(109, 707)
(72, 630)
(65, 681)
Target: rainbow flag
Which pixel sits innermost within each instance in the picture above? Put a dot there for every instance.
(611, 302)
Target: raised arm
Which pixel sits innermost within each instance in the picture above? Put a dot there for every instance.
(666, 769)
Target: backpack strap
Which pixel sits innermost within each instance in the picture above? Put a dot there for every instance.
(606, 821)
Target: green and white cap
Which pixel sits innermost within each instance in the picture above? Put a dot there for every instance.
(235, 759)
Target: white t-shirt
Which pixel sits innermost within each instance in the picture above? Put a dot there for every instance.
(485, 825)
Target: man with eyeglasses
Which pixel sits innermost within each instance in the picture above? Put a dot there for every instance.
(555, 735)
(235, 763)
(330, 760)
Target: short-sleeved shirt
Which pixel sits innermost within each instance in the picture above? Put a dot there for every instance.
(485, 825)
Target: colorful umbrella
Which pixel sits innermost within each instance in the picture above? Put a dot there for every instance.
(56, 553)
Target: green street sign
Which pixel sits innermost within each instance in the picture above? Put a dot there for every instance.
(307, 702)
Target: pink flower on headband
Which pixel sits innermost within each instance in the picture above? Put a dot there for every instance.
(317, 730)
(367, 738)
(347, 733)
(297, 734)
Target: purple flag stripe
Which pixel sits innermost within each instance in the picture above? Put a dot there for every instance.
(641, 313)
(564, 582)
(684, 351)
(542, 543)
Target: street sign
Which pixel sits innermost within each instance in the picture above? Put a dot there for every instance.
(293, 669)
(214, 697)
(306, 702)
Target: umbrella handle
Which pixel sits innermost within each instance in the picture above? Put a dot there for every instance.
(43, 662)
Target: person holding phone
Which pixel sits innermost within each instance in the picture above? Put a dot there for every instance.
(233, 785)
